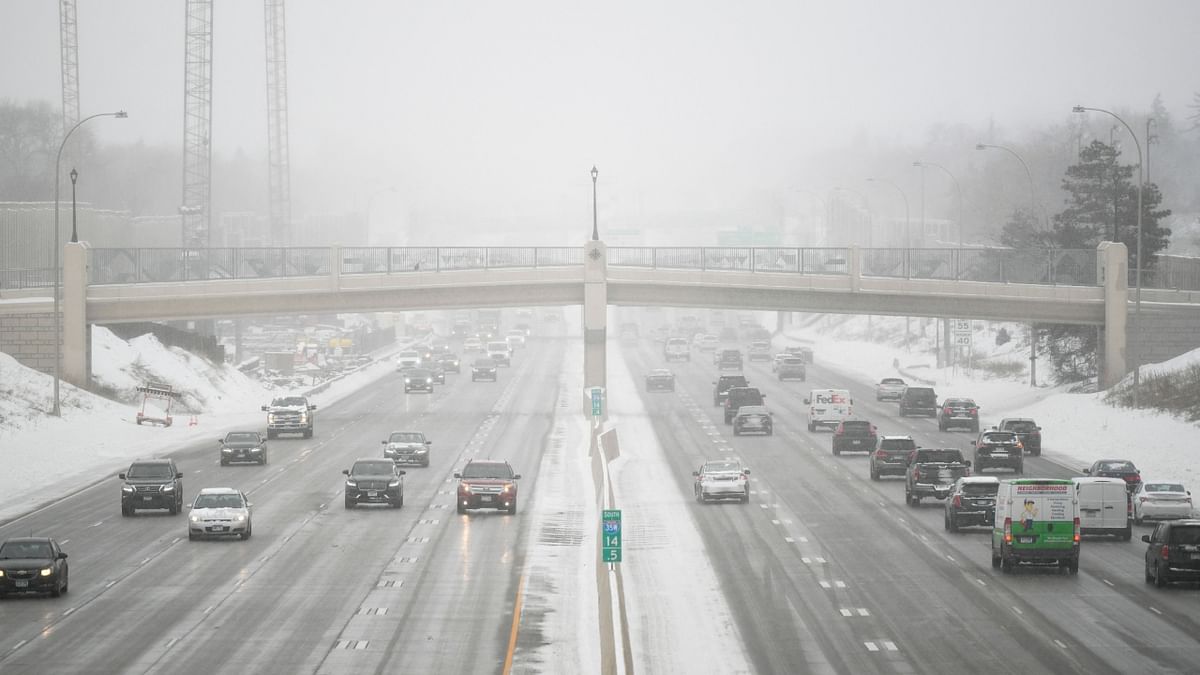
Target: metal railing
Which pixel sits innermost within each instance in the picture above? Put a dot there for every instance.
(1168, 272)
(153, 265)
(41, 277)
(1064, 267)
(744, 259)
(395, 259)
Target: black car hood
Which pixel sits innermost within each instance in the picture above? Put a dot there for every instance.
(239, 445)
(373, 476)
(25, 563)
(149, 481)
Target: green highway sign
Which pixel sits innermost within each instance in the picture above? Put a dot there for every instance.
(610, 535)
(597, 403)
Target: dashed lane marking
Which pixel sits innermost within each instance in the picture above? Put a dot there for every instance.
(981, 582)
(890, 646)
(871, 646)
(789, 540)
(1155, 610)
(1108, 582)
(1017, 610)
(1061, 644)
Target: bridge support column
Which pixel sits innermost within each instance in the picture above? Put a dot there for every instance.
(75, 338)
(595, 318)
(1113, 262)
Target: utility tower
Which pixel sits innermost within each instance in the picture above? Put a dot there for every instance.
(279, 179)
(196, 209)
(69, 44)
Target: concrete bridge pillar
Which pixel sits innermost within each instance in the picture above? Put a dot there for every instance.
(75, 338)
(595, 316)
(1113, 273)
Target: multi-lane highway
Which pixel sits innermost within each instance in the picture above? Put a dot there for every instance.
(823, 571)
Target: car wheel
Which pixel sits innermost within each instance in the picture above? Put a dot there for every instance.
(247, 533)
(461, 509)
(56, 591)
(953, 523)
(1160, 579)
(811, 427)
(1037, 453)
(425, 463)
(1127, 534)
(1137, 517)
(400, 501)
(1073, 566)
(1021, 468)
(975, 427)
(736, 432)
(874, 474)
(126, 511)
(836, 452)
(942, 427)
(224, 462)
(263, 459)
(1146, 571)
(66, 580)
(995, 561)
(746, 496)
(512, 508)
(1006, 565)
(770, 431)
(946, 521)
(192, 536)
(173, 510)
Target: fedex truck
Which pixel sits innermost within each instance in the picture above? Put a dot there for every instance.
(828, 407)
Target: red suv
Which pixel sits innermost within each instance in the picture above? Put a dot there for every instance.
(487, 484)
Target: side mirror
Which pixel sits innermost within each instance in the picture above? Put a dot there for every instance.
(974, 444)
(428, 442)
(346, 472)
(383, 442)
(807, 402)
(179, 474)
(121, 476)
(402, 473)
(265, 408)
(966, 462)
(1038, 428)
(220, 440)
(249, 504)
(696, 473)
(1146, 538)
(188, 506)
(746, 471)
(517, 477)
(763, 395)
(62, 556)
(312, 407)
(1087, 471)
(458, 475)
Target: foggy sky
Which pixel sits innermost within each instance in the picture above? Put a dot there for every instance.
(487, 111)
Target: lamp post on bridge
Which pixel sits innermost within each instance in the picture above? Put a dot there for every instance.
(1033, 202)
(595, 224)
(1137, 302)
(957, 191)
(74, 229)
(120, 114)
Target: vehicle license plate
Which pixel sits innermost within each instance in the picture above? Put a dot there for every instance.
(147, 499)
(486, 498)
(1025, 540)
(218, 528)
(22, 583)
(1194, 556)
(856, 441)
(372, 493)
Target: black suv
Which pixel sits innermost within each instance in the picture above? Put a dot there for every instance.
(1173, 553)
(891, 456)
(854, 436)
(1025, 429)
(918, 401)
(483, 369)
(958, 412)
(999, 449)
(740, 396)
(729, 359)
(243, 446)
(972, 502)
(723, 384)
(374, 481)
(418, 379)
(152, 484)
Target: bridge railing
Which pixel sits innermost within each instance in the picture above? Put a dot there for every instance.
(1168, 272)
(153, 265)
(1067, 267)
(732, 258)
(34, 277)
(395, 259)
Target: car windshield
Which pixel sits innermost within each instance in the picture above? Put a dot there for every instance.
(219, 501)
(999, 438)
(960, 402)
(1022, 427)
(1117, 466)
(940, 456)
(406, 437)
(409, 355)
(498, 346)
(372, 468)
(25, 549)
(791, 361)
(1164, 487)
(485, 363)
(1185, 534)
(241, 437)
(150, 472)
(721, 467)
(980, 489)
(752, 410)
(897, 444)
(486, 470)
(289, 402)
(891, 380)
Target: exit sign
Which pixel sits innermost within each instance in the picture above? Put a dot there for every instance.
(610, 535)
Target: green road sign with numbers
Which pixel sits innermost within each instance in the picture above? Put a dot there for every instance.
(610, 535)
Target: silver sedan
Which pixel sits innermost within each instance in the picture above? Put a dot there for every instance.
(1161, 500)
(722, 479)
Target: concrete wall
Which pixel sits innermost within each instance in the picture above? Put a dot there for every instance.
(1160, 337)
(29, 338)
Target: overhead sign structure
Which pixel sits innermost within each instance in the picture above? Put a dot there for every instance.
(610, 533)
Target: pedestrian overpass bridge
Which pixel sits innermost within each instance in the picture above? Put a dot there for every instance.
(1086, 287)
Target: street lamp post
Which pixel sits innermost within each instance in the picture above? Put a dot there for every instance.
(1137, 301)
(74, 229)
(595, 224)
(907, 250)
(957, 191)
(57, 412)
(866, 205)
(1033, 202)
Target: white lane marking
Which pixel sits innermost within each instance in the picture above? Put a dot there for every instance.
(890, 646)
(1155, 610)
(208, 609)
(806, 561)
(846, 612)
(68, 612)
(871, 646)
(839, 584)
(64, 541)
(774, 521)
(1017, 610)
(198, 471)
(1061, 644)
(862, 611)
(803, 540)
(789, 540)
(762, 506)
(1108, 582)
(98, 523)
(981, 582)
(110, 584)
(950, 558)
(20, 644)
(819, 561)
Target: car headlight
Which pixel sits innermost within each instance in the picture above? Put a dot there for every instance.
(195, 519)
(259, 449)
(507, 487)
(126, 488)
(270, 419)
(303, 418)
(351, 484)
(429, 380)
(395, 483)
(168, 488)
(465, 488)
(407, 381)
(47, 571)
(240, 519)
(225, 450)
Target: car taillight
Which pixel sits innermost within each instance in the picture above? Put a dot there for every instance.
(1036, 433)
(1076, 529)
(946, 411)
(957, 502)
(973, 411)
(916, 473)
(1008, 530)
(1165, 552)
(881, 454)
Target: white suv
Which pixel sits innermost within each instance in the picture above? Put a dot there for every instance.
(408, 359)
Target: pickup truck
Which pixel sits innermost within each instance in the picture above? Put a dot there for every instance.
(289, 415)
(890, 388)
(932, 472)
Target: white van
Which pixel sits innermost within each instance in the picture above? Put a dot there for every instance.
(1104, 506)
(1037, 522)
(828, 407)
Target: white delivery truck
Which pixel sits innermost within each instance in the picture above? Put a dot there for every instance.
(828, 407)
(1037, 522)
(1104, 506)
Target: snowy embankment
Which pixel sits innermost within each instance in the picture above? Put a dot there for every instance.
(1077, 429)
(96, 437)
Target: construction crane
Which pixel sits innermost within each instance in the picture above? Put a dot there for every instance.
(196, 210)
(278, 176)
(69, 46)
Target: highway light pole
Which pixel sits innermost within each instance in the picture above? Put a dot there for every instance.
(1137, 302)
(57, 411)
(1033, 203)
(74, 229)
(595, 224)
(957, 192)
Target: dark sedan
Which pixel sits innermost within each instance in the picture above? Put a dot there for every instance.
(243, 446)
(450, 362)
(32, 565)
(962, 413)
(483, 369)
(753, 419)
(1116, 468)
(660, 380)
(418, 379)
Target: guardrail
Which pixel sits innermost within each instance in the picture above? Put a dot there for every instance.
(1071, 267)
(38, 277)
